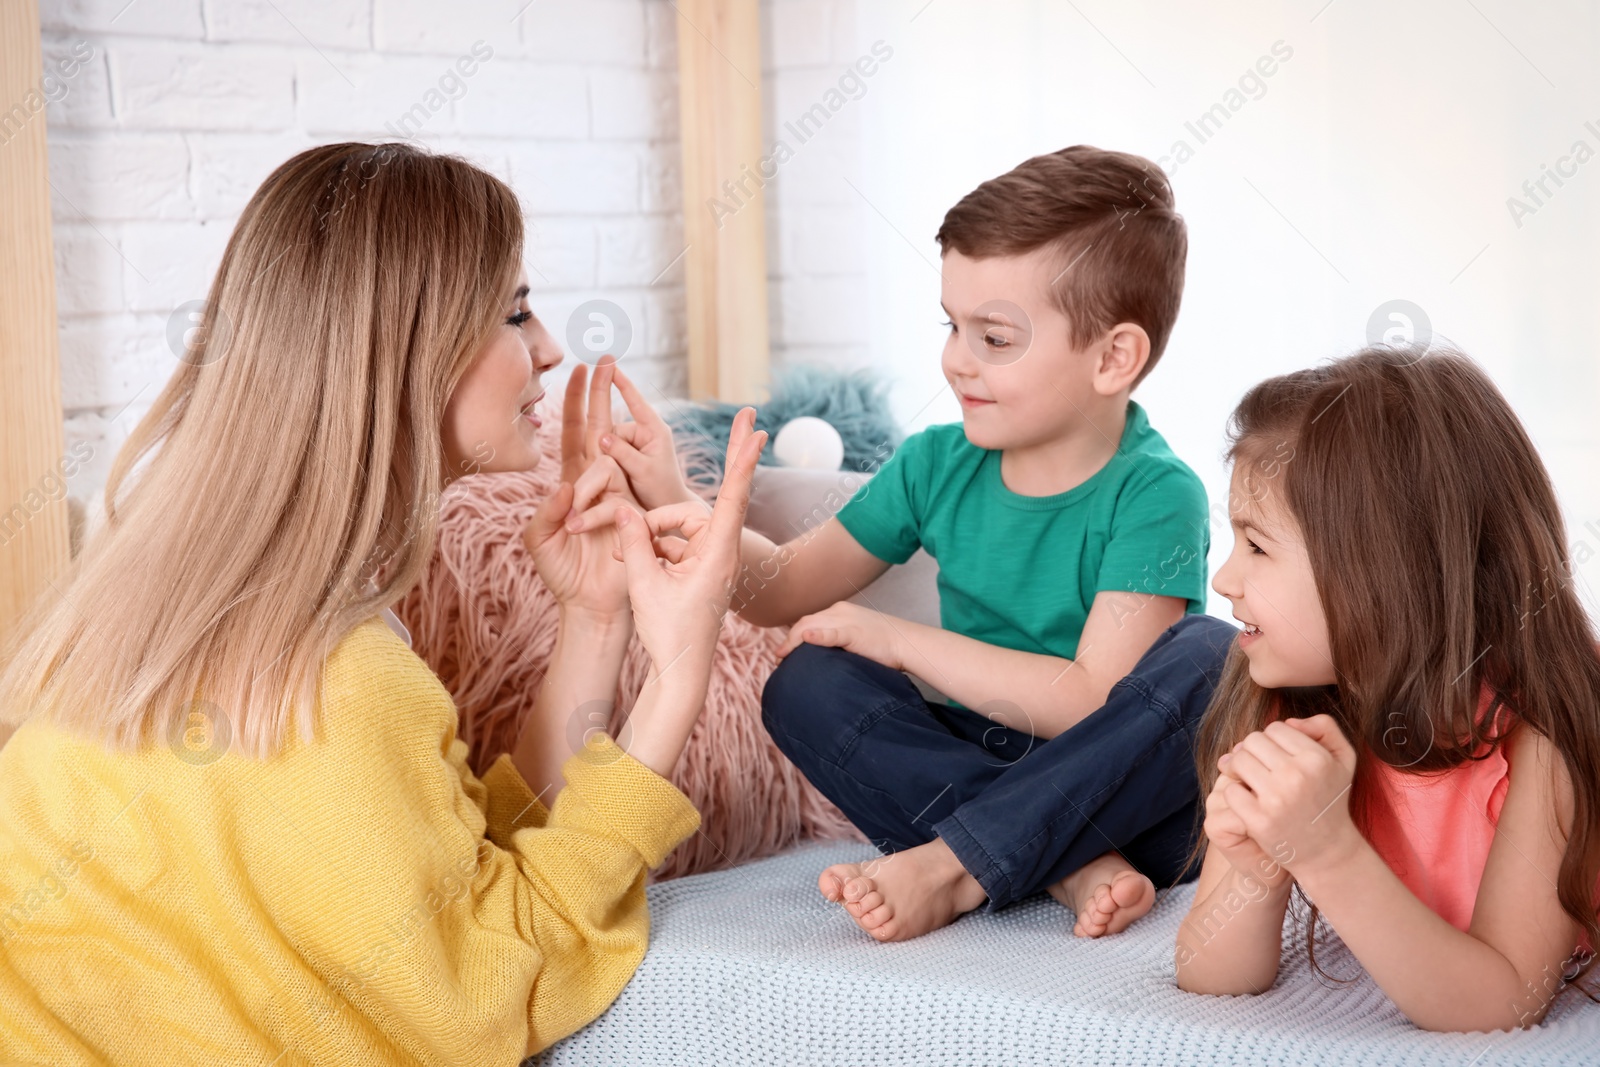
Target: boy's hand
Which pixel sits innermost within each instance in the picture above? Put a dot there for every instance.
(849, 626)
(643, 448)
(1291, 789)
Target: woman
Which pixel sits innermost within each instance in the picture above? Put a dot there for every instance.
(236, 824)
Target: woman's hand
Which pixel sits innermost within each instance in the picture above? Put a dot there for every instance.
(579, 568)
(849, 626)
(1290, 787)
(680, 587)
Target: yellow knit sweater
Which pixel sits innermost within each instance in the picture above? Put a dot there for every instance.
(358, 898)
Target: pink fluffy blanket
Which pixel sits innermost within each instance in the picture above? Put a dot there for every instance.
(486, 625)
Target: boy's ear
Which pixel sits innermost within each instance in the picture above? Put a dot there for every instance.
(1123, 353)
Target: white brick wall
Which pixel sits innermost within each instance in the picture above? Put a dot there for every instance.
(186, 105)
(815, 255)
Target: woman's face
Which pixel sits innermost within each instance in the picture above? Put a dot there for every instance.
(489, 421)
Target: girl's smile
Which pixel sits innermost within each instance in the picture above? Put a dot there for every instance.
(1268, 577)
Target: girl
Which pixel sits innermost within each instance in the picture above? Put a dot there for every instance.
(236, 824)
(1407, 730)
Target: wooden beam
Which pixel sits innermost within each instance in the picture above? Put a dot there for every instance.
(33, 509)
(719, 92)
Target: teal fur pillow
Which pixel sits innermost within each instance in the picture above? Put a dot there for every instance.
(856, 403)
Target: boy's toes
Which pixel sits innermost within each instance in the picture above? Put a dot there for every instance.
(831, 881)
(1127, 889)
(1093, 919)
(857, 889)
(1129, 896)
(858, 908)
(879, 922)
(1106, 902)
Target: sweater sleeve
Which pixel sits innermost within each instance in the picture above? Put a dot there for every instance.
(465, 921)
(585, 862)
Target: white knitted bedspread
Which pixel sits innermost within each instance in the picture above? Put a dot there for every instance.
(752, 966)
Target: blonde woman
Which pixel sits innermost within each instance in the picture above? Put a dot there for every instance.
(236, 824)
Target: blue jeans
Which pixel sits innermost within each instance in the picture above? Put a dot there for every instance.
(1018, 811)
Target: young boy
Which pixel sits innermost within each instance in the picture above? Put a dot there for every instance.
(1071, 545)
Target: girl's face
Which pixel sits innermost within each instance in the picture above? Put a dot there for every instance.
(489, 421)
(1268, 580)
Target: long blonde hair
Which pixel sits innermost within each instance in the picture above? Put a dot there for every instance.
(294, 492)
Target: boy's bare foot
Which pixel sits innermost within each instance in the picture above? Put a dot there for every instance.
(1107, 894)
(904, 894)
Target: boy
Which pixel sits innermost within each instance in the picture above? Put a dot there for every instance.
(1071, 545)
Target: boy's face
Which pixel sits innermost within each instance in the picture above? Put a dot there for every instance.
(1008, 357)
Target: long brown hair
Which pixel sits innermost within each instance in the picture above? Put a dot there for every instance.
(289, 472)
(1440, 560)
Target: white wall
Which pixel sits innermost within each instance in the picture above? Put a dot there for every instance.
(816, 224)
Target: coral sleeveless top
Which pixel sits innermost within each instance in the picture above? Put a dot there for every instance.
(1438, 826)
(1433, 829)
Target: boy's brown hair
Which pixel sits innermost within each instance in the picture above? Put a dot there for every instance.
(1120, 242)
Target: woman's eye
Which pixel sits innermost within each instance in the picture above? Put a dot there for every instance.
(950, 324)
(519, 318)
(994, 340)
(1254, 547)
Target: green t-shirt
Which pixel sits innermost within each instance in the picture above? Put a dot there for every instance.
(1022, 571)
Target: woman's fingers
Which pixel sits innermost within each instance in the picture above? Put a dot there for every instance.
(597, 517)
(733, 498)
(671, 549)
(602, 474)
(744, 422)
(634, 544)
(573, 459)
(691, 517)
(600, 402)
(547, 517)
